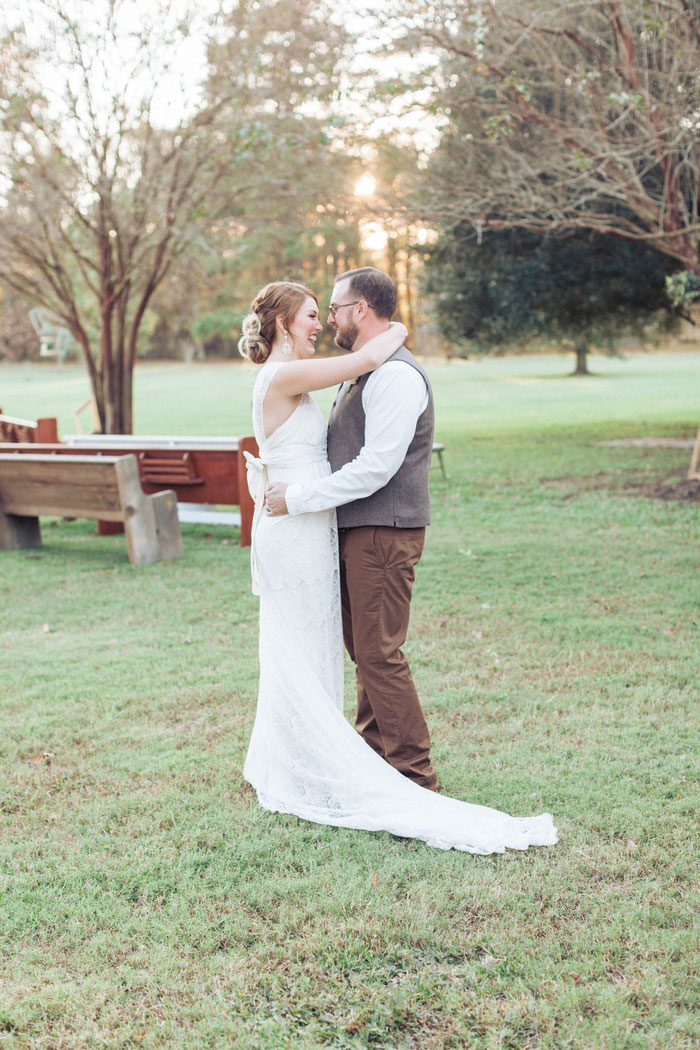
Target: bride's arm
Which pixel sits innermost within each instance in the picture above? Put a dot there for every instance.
(298, 377)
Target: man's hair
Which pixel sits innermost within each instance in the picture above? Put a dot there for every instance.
(375, 287)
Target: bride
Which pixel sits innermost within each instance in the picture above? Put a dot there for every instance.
(304, 758)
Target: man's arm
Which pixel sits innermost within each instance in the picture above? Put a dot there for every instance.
(393, 399)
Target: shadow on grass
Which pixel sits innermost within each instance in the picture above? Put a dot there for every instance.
(77, 540)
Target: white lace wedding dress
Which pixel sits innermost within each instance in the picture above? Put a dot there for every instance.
(304, 756)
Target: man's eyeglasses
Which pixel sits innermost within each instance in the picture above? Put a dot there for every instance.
(332, 310)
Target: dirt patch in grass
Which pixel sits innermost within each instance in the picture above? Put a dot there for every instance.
(671, 488)
(668, 486)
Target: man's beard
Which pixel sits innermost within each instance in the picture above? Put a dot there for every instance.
(345, 337)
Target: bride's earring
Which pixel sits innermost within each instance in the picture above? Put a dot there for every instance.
(286, 345)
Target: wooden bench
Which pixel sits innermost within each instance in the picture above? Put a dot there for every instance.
(207, 470)
(200, 470)
(14, 429)
(107, 488)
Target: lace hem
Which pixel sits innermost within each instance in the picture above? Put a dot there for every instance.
(534, 831)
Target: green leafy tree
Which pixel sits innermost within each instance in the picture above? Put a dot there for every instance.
(517, 288)
(305, 227)
(302, 225)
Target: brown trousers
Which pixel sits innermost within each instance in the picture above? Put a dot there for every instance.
(377, 569)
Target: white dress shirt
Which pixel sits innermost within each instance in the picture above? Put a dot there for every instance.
(393, 398)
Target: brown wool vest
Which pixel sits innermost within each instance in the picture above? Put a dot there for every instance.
(404, 501)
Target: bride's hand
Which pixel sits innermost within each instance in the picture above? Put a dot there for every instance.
(275, 503)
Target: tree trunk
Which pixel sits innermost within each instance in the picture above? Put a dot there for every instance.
(408, 270)
(107, 372)
(127, 405)
(391, 259)
(122, 378)
(114, 394)
(581, 352)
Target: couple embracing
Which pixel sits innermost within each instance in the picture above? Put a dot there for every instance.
(340, 517)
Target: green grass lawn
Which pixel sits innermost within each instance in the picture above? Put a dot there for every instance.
(487, 394)
(147, 902)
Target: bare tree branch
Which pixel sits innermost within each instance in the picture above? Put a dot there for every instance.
(565, 115)
(101, 193)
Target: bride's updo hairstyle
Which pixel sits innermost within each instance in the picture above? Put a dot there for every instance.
(278, 297)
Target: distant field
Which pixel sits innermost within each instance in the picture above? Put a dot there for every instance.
(145, 899)
(482, 394)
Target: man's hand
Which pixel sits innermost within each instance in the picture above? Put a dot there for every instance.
(275, 503)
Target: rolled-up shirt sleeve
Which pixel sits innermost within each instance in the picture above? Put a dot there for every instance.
(393, 399)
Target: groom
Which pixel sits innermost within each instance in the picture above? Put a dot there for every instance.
(380, 438)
